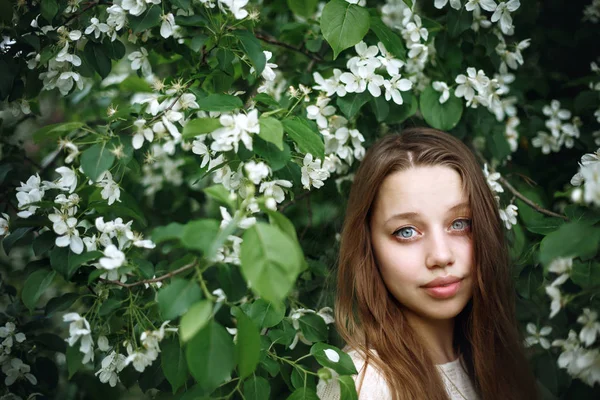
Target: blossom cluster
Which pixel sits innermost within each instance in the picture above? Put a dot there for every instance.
(564, 129)
(577, 357)
(13, 367)
(508, 214)
(588, 176)
(140, 357)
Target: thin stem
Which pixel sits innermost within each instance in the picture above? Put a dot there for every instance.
(530, 203)
(272, 40)
(154, 280)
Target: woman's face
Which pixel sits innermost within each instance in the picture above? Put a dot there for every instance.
(420, 231)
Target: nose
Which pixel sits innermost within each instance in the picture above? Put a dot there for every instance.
(439, 250)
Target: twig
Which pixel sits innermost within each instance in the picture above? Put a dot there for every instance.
(292, 202)
(309, 210)
(154, 280)
(276, 42)
(519, 195)
(74, 16)
(530, 203)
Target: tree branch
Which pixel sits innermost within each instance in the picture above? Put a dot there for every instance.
(522, 197)
(154, 280)
(272, 40)
(530, 203)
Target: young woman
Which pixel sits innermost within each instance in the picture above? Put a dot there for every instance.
(424, 298)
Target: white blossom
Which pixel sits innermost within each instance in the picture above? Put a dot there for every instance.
(387, 60)
(321, 111)
(491, 180)
(546, 142)
(332, 85)
(96, 27)
(313, 174)
(393, 88)
(509, 216)
(110, 189)
(68, 179)
(113, 258)
(236, 7)
(4, 222)
(142, 132)
(332, 355)
(591, 326)
(442, 3)
(487, 5)
(267, 73)
(502, 14)
(168, 26)
(80, 329)
(257, 171)
(139, 59)
(17, 369)
(112, 364)
(274, 189)
(538, 336)
(442, 87)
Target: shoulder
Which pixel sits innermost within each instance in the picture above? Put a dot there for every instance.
(371, 382)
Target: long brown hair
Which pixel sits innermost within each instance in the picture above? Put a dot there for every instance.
(368, 317)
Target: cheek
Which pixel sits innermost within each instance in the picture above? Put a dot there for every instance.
(398, 264)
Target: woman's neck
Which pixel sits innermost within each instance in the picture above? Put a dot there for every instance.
(437, 337)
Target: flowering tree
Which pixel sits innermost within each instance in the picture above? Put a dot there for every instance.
(172, 174)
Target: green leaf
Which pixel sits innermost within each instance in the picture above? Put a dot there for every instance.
(34, 287)
(343, 25)
(392, 42)
(200, 126)
(54, 131)
(440, 116)
(283, 223)
(74, 359)
(173, 362)
(497, 144)
(380, 108)
(308, 140)
(400, 113)
(60, 303)
(409, 3)
(351, 104)
(199, 234)
(266, 314)
(97, 58)
(273, 156)
(220, 102)
(173, 231)
(9, 241)
(77, 260)
(96, 160)
(43, 243)
(347, 388)
(256, 388)
(6, 12)
(247, 348)
(220, 194)
(177, 297)
(49, 9)
(573, 239)
(271, 131)
(544, 225)
(304, 394)
(586, 274)
(270, 261)
(211, 356)
(114, 49)
(313, 327)
(195, 319)
(267, 100)
(198, 41)
(345, 365)
(147, 20)
(111, 304)
(252, 48)
(303, 8)
(459, 21)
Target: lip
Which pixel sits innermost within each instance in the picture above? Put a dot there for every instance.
(436, 289)
(445, 280)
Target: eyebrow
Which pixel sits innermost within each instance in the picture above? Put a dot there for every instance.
(461, 206)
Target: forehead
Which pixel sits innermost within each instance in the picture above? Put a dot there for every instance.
(427, 190)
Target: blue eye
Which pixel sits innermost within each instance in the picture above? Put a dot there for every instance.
(405, 233)
(461, 224)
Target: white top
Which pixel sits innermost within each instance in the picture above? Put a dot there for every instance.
(374, 386)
